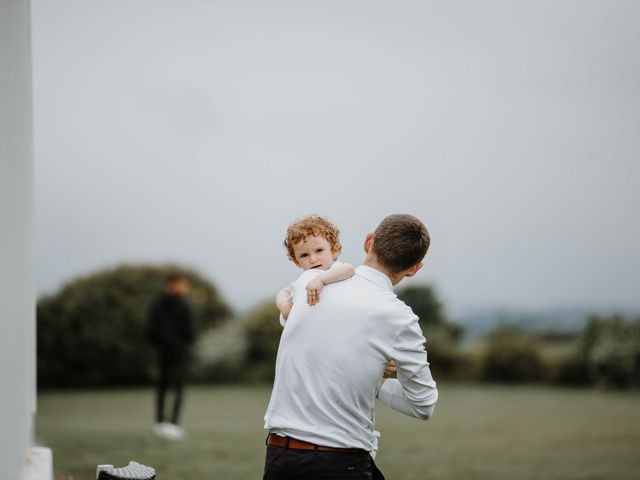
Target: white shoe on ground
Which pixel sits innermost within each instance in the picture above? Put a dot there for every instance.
(160, 429)
(174, 432)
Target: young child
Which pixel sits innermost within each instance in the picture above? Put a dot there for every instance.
(312, 242)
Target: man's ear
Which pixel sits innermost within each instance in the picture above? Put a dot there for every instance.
(368, 243)
(413, 270)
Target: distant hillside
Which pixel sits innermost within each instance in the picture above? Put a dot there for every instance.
(479, 322)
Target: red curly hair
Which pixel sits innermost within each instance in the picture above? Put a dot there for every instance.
(312, 225)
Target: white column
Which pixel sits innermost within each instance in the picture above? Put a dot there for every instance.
(17, 297)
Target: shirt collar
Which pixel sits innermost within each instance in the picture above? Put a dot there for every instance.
(376, 276)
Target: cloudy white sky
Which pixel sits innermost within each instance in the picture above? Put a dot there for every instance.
(195, 131)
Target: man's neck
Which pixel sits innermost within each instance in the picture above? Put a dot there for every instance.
(376, 266)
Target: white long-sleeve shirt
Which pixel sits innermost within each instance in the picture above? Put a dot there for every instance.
(332, 356)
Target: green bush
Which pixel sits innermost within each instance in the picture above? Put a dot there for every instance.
(570, 370)
(424, 302)
(445, 358)
(512, 357)
(442, 336)
(219, 354)
(91, 332)
(262, 333)
(610, 349)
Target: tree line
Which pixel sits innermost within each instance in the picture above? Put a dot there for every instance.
(91, 333)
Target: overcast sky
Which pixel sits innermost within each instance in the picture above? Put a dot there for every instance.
(195, 131)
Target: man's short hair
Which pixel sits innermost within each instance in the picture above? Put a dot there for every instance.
(312, 225)
(400, 242)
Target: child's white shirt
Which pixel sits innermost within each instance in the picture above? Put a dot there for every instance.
(298, 283)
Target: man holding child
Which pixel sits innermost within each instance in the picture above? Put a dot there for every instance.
(332, 356)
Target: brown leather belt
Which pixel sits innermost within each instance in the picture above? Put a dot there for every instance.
(294, 443)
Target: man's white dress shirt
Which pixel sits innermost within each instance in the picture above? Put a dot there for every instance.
(332, 356)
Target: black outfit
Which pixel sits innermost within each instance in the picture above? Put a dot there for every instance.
(170, 330)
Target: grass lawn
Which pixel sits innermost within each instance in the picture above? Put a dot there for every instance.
(477, 432)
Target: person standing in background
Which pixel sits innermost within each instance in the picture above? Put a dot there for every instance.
(170, 330)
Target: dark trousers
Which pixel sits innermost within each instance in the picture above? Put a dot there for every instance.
(172, 373)
(290, 464)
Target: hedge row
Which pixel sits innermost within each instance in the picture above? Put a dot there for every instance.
(91, 333)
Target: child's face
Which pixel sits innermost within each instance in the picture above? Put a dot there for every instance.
(313, 252)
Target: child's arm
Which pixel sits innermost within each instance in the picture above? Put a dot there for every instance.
(283, 301)
(334, 274)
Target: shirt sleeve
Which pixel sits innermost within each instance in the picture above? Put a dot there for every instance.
(414, 392)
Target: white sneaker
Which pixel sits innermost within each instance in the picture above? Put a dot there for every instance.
(158, 429)
(174, 432)
(161, 429)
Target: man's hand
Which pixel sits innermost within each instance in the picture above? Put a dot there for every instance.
(314, 287)
(390, 370)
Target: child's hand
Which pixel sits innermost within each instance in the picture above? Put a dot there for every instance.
(314, 287)
(285, 310)
(283, 301)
